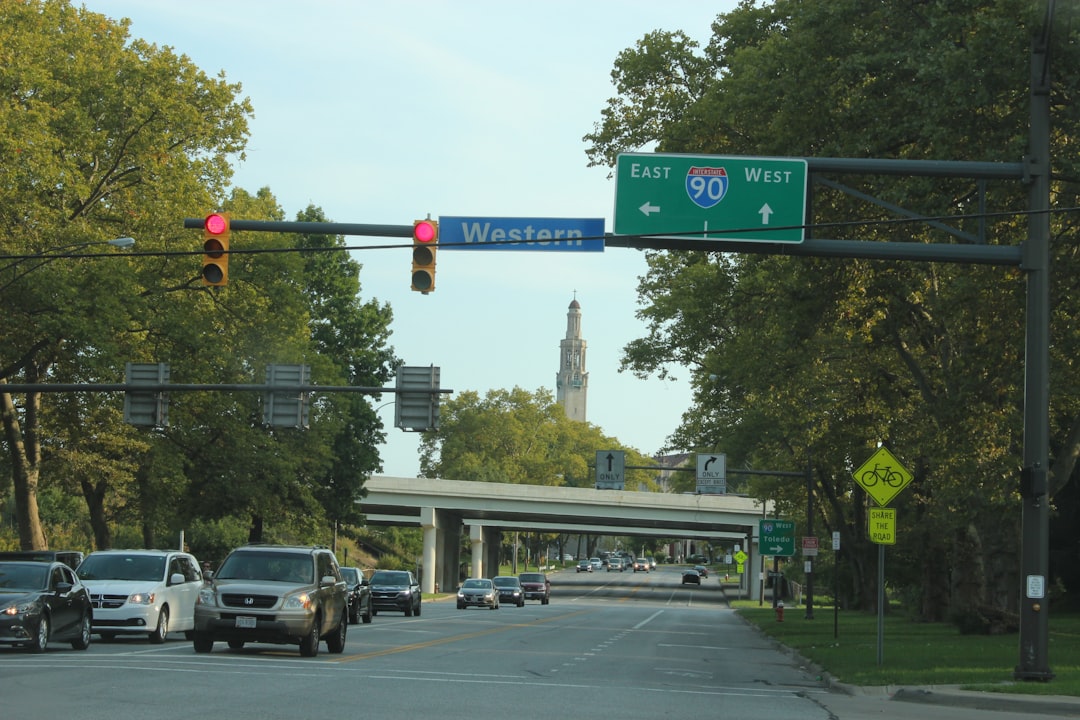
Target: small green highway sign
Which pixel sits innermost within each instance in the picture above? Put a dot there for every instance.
(724, 198)
(776, 537)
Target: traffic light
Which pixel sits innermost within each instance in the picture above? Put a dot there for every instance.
(215, 262)
(425, 237)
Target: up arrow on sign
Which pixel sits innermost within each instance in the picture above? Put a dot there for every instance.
(610, 469)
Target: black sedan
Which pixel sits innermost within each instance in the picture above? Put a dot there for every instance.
(691, 577)
(41, 602)
(359, 593)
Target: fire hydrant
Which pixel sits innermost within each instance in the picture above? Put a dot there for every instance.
(780, 611)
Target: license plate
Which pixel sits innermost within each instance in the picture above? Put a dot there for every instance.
(245, 621)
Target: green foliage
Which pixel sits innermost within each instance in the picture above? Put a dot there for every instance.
(819, 360)
(519, 437)
(104, 135)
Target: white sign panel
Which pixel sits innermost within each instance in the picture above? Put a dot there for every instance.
(712, 473)
(610, 470)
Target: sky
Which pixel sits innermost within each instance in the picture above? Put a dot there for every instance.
(388, 112)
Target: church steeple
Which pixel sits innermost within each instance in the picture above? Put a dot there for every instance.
(572, 381)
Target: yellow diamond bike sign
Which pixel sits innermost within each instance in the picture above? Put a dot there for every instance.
(882, 477)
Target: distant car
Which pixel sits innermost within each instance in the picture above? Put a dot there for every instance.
(359, 595)
(536, 586)
(652, 563)
(395, 590)
(584, 566)
(691, 577)
(41, 602)
(615, 565)
(597, 563)
(641, 565)
(142, 592)
(568, 558)
(702, 570)
(510, 590)
(478, 592)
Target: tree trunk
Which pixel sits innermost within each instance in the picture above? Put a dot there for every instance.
(26, 468)
(255, 531)
(95, 504)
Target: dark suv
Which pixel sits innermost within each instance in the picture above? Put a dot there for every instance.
(536, 586)
(274, 594)
(395, 590)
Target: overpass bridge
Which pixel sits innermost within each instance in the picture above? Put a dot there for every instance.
(444, 508)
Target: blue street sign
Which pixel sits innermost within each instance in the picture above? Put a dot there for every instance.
(546, 234)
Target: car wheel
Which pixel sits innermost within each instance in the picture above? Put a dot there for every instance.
(521, 603)
(335, 641)
(408, 610)
(236, 644)
(374, 612)
(460, 606)
(366, 617)
(83, 640)
(162, 630)
(203, 642)
(40, 641)
(545, 601)
(354, 616)
(309, 645)
(417, 609)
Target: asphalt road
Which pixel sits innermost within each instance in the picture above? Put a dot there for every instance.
(633, 646)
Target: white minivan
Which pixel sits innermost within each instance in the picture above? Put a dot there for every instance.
(150, 592)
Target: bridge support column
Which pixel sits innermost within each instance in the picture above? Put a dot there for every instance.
(476, 535)
(431, 539)
(492, 548)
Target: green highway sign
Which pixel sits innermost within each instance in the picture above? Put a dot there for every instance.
(776, 537)
(756, 199)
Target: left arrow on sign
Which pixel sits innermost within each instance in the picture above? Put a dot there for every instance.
(648, 208)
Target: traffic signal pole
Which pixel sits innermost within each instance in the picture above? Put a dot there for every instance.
(311, 228)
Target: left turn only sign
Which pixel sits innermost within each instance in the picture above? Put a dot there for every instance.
(610, 470)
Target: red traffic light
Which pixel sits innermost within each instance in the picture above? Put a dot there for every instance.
(425, 231)
(216, 224)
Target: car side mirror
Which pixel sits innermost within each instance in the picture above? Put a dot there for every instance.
(328, 580)
(63, 587)
(365, 582)
(177, 579)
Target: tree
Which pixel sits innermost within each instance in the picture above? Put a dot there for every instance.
(100, 138)
(519, 437)
(822, 359)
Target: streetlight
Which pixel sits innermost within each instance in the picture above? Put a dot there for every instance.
(55, 253)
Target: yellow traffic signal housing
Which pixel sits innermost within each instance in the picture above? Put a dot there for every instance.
(425, 242)
(215, 263)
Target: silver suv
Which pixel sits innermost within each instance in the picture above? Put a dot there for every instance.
(274, 594)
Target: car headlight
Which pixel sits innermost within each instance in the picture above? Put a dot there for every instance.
(461, 594)
(22, 608)
(302, 601)
(206, 597)
(141, 598)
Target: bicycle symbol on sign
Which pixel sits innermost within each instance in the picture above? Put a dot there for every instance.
(885, 474)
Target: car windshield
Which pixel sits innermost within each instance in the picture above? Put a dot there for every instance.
(123, 567)
(23, 576)
(350, 575)
(270, 566)
(384, 577)
(476, 584)
(506, 581)
(532, 577)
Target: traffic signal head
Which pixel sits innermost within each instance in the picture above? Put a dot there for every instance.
(215, 264)
(425, 239)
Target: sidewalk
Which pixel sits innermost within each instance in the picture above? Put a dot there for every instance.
(916, 700)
